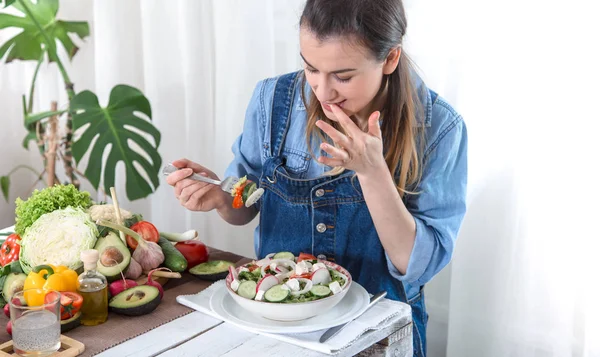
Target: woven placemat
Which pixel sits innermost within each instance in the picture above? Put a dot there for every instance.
(118, 329)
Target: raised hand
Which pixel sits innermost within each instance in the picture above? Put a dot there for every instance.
(358, 150)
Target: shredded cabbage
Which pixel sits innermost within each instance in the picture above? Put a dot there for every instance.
(58, 238)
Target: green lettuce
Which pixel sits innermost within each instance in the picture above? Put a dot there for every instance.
(47, 200)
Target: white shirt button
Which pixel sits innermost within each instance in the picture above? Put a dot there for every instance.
(320, 192)
(321, 227)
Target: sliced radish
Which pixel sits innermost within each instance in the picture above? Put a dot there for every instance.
(321, 276)
(274, 263)
(266, 283)
(233, 272)
(307, 287)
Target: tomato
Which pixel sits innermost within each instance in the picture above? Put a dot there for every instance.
(70, 303)
(145, 229)
(9, 251)
(194, 251)
(253, 267)
(306, 256)
(237, 202)
(305, 276)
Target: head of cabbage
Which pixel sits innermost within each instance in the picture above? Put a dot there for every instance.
(57, 238)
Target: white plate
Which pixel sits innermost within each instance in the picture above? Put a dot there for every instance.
(352, 305)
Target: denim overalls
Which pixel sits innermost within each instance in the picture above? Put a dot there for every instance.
(326, 216)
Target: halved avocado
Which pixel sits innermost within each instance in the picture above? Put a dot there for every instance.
(69, 324)
(136, 301)
(212, 270)
(13, 283)
(114, 256)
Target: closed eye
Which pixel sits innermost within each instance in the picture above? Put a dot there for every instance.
(342, 80)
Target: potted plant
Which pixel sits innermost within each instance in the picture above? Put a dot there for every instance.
(98, 126)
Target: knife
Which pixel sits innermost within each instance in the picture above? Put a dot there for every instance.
(334, 330)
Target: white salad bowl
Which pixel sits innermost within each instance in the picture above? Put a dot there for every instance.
(291, 311)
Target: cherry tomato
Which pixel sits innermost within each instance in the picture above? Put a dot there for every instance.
(145, 229)
(194, 251)
(70, 303)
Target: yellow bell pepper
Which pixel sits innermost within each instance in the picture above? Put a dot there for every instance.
(44, 278)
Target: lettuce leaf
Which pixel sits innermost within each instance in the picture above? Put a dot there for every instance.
(48, 200)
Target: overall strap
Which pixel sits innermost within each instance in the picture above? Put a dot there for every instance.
(281, 111)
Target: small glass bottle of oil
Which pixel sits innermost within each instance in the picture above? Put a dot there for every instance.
(94, 289)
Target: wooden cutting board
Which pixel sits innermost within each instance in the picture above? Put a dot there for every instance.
(69, 348)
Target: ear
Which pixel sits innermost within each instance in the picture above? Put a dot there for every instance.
(391, 62)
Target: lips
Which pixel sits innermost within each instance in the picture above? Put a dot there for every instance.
(327, 106)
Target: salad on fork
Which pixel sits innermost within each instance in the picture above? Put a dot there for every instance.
(244, 191)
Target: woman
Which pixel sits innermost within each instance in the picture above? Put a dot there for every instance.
(359, 160)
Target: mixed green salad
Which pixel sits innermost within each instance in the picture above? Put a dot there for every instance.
(284, 278)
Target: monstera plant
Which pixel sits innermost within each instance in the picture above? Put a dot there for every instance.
(125, 120)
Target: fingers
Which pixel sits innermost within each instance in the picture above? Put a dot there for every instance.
(183, 184)
(332, 162)
(374, 128)
(186, 168)
(345, 121)
(337, 137)
(192, 194)
(175, 177)
(185, 163)
(195, 200)
(336, 153)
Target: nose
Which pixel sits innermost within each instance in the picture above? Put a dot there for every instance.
(324, 91)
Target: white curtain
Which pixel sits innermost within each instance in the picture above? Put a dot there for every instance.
(522, 73)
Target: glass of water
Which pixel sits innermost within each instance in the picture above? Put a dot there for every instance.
(35, 329)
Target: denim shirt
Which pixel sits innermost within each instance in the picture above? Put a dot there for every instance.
(438, 209)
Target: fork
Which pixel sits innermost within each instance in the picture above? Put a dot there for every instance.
(226, 185)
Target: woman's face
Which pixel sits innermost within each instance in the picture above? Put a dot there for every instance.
(343, 73)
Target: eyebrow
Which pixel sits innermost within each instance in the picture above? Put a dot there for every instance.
(335, 72)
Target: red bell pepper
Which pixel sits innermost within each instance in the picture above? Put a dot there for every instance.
(9, 251)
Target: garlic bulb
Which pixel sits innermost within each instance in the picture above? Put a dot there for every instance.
(149, 255)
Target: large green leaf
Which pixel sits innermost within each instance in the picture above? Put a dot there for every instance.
(27, 45)
(5, 185)
(112, 125)
(7, 3)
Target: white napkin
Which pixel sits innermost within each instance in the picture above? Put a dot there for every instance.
(381, 315)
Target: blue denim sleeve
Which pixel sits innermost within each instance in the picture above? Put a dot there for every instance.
(247, 148)
(439, 208)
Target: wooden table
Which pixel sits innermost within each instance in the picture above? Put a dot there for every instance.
(197, 334)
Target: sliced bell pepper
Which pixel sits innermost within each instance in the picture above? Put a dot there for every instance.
(44, 278)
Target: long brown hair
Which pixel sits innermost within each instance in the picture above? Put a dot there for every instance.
(378, 25)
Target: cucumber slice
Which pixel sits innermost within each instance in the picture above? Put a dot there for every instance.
(248, 190)
(320, 290)
(247, 289)
(277, 294)
(284, 255)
